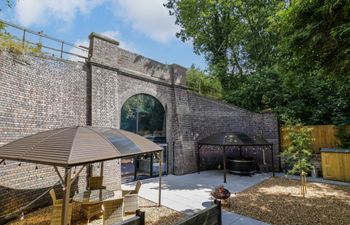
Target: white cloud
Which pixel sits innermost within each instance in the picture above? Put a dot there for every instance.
(149, 17)
(109, 33)
(29, 12)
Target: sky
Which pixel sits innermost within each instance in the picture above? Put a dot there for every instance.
(141, 26)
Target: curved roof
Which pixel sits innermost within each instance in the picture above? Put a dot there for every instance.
(73, 146)
(233, 139)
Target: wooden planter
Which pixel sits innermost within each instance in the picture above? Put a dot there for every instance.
(336, 164)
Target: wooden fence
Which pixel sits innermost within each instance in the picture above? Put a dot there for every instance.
(209, 216)
(324, 137)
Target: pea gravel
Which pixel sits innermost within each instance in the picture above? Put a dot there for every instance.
(278, 201)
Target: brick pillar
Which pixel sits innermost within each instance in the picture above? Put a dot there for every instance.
(103, 97)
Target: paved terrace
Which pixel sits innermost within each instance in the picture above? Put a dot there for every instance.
(191, 193)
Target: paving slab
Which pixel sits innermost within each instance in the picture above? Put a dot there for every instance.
(190, 193)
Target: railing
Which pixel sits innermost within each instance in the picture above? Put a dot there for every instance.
(51, 45)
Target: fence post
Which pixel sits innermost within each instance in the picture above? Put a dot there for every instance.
(24, 37)
(62, 49)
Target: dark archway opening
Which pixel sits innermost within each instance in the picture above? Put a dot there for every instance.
(145, 115)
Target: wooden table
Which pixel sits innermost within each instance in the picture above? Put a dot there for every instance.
(94, 196)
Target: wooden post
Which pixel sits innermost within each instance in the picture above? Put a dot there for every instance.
(66, 195)
(160, 178)
(224, 162)
(135, 167)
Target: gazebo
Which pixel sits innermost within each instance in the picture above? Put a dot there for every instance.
(78, 146)
(229, 139)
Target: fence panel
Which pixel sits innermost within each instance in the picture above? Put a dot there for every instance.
(324, 137)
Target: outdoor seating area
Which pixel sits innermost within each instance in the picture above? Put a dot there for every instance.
(97, 200)
(174, 112)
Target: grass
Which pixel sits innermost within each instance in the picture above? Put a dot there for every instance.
(154, 215)
(278, 201)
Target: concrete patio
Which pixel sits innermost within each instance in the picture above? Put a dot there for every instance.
(191, 193)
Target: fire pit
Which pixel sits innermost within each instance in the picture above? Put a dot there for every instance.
(221, 193)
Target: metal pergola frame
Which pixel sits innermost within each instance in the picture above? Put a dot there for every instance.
(224, 149)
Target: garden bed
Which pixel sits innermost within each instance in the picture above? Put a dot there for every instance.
(278, 201)
(154, 215)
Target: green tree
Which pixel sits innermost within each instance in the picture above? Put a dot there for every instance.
(202, 83)
(299, 150)
(316, 34)
(150, 110)
(232, 35)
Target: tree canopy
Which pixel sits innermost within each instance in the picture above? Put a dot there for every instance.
(145, 112)
(291, 57)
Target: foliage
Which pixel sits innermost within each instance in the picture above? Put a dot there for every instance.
(231, 34)
(291, 57)
(204, 84)
(10, 44)
(257, 92)
(343, 134)
(316, 33)
(299, 151)
(150, 111)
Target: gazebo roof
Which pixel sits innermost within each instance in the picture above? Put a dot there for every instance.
(233, 139)
(72, 146)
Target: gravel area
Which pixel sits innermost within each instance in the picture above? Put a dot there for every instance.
(154, 215)
(278, 201)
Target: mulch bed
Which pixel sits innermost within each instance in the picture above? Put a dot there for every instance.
(154, 215)
(278, 201)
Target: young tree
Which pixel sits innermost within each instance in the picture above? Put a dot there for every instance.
(299, 151)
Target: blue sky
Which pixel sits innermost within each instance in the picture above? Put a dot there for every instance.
(141, 26)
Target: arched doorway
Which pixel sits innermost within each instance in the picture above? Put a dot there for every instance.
(145, 115)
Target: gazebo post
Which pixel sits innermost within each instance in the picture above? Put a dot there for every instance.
(66, 195)
(101, 169)
(198, 159)
(160, 178)
(273, 162)
(240, 151)
(224, 162)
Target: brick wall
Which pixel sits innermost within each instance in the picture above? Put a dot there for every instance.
(210, 116)
(40, 93)
(36, 94)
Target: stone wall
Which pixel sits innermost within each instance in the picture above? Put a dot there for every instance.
(36, 94)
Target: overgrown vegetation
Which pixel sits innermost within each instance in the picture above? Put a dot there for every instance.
(9, 43)
(343, 135)
(292, 57)
(204, 84)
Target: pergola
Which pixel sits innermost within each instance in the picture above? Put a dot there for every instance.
(78, 146)
(227, 139)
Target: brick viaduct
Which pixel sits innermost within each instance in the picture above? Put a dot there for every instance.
(39, 92)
